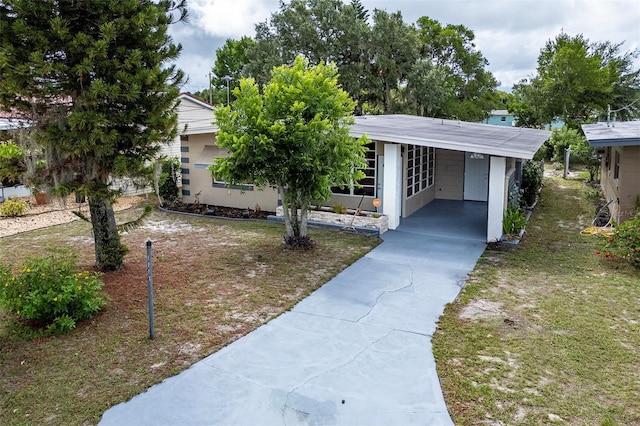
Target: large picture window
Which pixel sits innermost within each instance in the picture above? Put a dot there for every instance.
(368, 183)
(421, 162)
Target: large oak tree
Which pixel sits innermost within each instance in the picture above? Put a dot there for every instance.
(94, 79)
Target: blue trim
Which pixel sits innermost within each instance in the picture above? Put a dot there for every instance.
(186, 192)
(184, 160)
(184, 171)
(184, 149)
(186, 181)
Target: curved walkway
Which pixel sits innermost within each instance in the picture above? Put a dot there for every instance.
(355, 352)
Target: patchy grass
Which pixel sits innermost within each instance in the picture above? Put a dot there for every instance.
(214, 282)
(546, 332)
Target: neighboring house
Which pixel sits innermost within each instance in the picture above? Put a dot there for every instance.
(500, 117)
(411, 161)
(618, 144)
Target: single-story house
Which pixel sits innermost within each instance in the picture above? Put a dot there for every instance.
(500, 117)
(411, 161)
(618, 144)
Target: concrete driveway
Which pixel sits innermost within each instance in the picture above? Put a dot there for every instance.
(355, 352)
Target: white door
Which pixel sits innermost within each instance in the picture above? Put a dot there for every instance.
(476, 176)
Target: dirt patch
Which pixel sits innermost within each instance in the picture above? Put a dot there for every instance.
(481, 309)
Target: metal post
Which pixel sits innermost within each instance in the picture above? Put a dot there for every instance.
(150, 289)
(567, 154)
(227, 78)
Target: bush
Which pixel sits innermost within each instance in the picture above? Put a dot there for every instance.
(624, 242)
(513, 221)
(13, 208)
(168, 181)
(51, 292)
(532, 174)
(304, 243)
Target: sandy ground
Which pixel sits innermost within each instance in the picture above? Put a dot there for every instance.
(55, 212)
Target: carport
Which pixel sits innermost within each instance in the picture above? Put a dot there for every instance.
(472, 163)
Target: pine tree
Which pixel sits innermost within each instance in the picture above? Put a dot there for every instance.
(93, 78)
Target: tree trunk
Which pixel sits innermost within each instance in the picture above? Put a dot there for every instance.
(303, 219)
(109, 250)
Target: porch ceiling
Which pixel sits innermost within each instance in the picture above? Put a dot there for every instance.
(621, 133)
(518, 142)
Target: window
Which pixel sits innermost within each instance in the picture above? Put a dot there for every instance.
(184, 138)
(368, 183)
(420, 168)
(616, 165)
(503, 118)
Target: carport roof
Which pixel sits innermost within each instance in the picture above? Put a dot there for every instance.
(504, 141)
(617, 133)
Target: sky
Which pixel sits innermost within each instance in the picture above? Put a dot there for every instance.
(509, 33)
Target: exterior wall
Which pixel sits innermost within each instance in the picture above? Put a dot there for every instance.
(629, 182)
(449, 174)
(197, 178)
(608, 184)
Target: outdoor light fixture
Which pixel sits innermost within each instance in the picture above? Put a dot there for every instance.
(476, 156)
(227, 78)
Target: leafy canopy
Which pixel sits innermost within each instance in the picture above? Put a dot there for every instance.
(293, 136)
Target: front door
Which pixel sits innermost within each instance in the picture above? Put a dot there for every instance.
(476, 176)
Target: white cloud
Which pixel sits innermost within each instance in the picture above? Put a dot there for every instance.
(230, 18)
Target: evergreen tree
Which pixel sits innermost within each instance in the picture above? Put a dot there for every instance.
(93, 78)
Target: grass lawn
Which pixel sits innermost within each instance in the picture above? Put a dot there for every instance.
(546, 332)
(214, 282)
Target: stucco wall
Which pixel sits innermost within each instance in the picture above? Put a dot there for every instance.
(197, 178)
(449, 176)
(629, 182)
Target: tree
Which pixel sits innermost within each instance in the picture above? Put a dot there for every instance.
(577, 82)
(294, 136)
(452, 51)
(321, 31)
(92, 77)
(231, 60)
(394, 51)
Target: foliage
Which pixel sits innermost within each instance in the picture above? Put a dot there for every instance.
(92, 78)
(51, 291)
(13, 208)
(230, 61)
(385, 64)
(294, 136)
(470, 86)
(576, 82)
(12, 166)
(532, 174)
(624, 242)
(304, 242)
(513, 195)
(564, 138)
(168, 181)
(513, 221)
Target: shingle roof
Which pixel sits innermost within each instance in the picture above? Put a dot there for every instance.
(518, 142)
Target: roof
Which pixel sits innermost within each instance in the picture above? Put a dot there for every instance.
(189, 96)
(617, 133)
(504, 141)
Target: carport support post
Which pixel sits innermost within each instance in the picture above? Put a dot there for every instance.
(497, 188)
(392, 190)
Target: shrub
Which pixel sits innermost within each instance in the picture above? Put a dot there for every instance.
(624, 242)
(13, 208)
(304, 243)
(532, 174)
(51, 292)
(513, 221)
(168, 181)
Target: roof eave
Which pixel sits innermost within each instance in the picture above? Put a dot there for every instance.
(451, 145)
